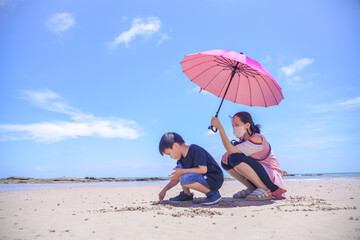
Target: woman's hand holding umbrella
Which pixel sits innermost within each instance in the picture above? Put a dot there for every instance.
(215, 122)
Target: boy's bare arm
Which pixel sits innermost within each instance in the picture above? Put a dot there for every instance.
(169, 186)
(181, 171)
(198, 170)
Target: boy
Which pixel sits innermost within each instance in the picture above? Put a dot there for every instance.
(196, 169)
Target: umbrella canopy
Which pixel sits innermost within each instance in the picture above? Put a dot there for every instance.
(232, 76)
(250, 85)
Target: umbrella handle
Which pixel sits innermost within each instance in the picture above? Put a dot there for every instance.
(214, 129)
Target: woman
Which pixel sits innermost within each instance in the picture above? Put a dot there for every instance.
(251, 160)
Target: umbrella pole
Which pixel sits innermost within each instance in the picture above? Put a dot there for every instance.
(217, 113)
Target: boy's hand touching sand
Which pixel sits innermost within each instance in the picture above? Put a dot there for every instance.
(162, 194)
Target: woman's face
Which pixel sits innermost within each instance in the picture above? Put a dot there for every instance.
(236, 122)
(240, 129)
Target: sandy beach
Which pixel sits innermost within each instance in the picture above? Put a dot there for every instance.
(327, 209)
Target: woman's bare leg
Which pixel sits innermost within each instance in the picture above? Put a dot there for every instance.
(241, 178)
(245, 170)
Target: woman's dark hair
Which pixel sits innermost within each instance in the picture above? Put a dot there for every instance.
(245, 117)
(168, 140)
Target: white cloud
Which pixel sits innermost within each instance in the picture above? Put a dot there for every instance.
(140, 26)
(355, 102)
(344, 105)
(61, 22)
(292, 75)
(297, 66)
(82, 124)
(50, 101)
(164, 37)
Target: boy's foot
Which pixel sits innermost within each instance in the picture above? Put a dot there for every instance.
(212, 197)
(182, 197)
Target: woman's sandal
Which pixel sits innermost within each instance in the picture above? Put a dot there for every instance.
(259, 195)
(242, 194)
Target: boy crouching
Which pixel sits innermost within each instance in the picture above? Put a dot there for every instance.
(196, 169)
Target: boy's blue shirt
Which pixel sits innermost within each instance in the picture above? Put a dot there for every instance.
(197, 156)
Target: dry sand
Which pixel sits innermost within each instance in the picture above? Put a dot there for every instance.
(313, 210)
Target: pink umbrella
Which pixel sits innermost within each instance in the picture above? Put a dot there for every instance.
(232, 76)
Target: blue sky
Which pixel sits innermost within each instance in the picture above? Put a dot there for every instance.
(89, 87)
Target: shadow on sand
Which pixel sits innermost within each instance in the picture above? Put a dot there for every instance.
(226, 202)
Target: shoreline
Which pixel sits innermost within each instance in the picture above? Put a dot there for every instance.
(29, 180)
(26, 180)
(34, 186)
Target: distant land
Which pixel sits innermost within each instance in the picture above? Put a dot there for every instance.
(17, 180)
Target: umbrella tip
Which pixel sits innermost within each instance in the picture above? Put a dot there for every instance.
(241, 53)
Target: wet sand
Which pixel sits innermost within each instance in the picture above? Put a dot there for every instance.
(328, 209)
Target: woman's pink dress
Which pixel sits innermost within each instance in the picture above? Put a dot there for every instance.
(270, 163)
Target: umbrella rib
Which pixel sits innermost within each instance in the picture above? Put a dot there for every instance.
(224, 62)
(262, 92)
(202, 72)
(221, 64)
(278, 88)
(224, 85)
(214, 78)
(220, 59)
(270, 88)
(201, 55)
(237, 90)
(248, 70)
(249, 89)
(198, 65)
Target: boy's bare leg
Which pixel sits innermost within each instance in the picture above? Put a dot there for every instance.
(186, 190)
(241, 178)
(198, 187)
(245, 170)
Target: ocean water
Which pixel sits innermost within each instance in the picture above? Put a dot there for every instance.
(324, 177)
(28, 186)
(313, 177)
